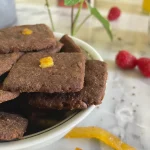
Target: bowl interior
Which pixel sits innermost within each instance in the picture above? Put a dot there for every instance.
(63, 125)
(68, 114)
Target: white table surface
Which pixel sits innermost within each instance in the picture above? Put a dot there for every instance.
(125, 110)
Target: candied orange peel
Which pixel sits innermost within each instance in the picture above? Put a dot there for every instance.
(27, 31)
(100, 134)
(77, 148)
(46, 62)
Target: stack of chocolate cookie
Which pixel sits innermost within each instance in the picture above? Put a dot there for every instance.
(72, 83)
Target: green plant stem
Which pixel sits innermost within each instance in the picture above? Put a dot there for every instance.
(50, 15)
(72, 14)
(76, 17)
(86, 18)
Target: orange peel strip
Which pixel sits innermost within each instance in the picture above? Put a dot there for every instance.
(77, 148)
(100, 134)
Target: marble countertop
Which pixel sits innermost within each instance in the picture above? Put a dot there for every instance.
(125, 110)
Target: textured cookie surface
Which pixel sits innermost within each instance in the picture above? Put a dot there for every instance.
(69, 45)
(66, 75)
(13, 40)
(7, 61)
(12, 126)
(91, 94)
(55, 49)
(7, 95)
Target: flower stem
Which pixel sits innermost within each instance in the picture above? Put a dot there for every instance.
(86, 18)
(49, 13)
(77, 16)
(72, 14)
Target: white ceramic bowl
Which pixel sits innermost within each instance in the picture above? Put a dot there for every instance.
(56, 132)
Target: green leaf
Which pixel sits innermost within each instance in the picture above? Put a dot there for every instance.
(72, 2)
(104, 21)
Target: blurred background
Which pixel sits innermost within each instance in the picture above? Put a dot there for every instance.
(131, 27)
(132, 21)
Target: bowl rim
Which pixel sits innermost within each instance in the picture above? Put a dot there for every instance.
(63, 126)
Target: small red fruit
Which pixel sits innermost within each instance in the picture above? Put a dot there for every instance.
(144, 66)
(125, 60)
(114, 13)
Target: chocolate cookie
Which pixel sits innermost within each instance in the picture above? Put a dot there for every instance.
(12, 126)
(7, 95)
(7, 61)
(55, 49)
(92, 93)
(69, 45)
(67, 74)
(26, 38)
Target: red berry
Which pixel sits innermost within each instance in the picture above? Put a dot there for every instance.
(125, 60)
(114, 13)
(144, 66)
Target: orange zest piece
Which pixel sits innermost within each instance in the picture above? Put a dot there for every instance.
(46, 62)
(100, 134)
(27, 31)
(77, 148)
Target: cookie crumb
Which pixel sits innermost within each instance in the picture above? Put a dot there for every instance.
(133, 94)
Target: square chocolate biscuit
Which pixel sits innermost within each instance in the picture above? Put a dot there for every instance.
(92, 93)
(7, 61)
(55, 49)
(69, 45)
(66, 75)
(26, 38)
(12, 126)
(7, 95)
